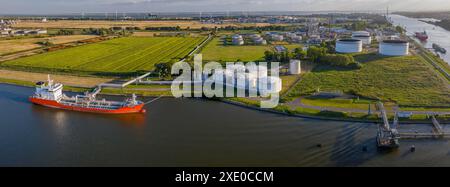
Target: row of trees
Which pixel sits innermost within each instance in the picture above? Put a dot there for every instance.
(284, 57)
(105, 31)
(65, 32)
(339, 60)
(323, 54)
(320, 55)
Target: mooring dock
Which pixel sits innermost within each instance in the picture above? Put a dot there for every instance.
(388, 136)
(438, 132)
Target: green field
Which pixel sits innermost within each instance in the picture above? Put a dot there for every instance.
(123, 55)
(405, 80)
(216, 51)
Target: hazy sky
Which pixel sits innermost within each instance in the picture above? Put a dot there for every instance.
(75, 6)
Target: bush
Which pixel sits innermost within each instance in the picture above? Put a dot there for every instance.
(339, 60)
(315, 53)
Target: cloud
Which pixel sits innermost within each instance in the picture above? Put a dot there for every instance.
(65, 6)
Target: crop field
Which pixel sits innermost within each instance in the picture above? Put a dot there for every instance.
(216, 51)
(15, 45)
(141, 24)
(117, 56)
(77, 81)
(405, 80)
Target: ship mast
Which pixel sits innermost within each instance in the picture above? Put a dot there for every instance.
(50, 81)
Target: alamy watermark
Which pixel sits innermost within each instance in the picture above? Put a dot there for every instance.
(235, 80)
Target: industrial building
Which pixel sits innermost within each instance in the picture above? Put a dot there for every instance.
(349, 46)
(293, 37)
(275, 36)
(394, 48)
(280, 49)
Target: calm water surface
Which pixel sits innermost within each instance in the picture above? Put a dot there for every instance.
(436, 34)
(185, 132)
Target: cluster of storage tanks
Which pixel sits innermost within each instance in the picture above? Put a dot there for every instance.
(359, 38)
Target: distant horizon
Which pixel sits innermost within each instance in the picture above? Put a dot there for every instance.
(206, 13)
(52, 7)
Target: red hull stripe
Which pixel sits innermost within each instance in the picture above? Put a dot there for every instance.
(54, 104)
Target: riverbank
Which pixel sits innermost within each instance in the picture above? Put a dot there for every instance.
(282, 109)
(328, 115)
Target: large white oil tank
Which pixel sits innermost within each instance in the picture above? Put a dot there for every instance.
(361, 33)
(394, 48)
(295, 67)
(349, 46)
(366, 40)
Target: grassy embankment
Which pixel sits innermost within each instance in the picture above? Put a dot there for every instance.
(123, 56)
(406, 81)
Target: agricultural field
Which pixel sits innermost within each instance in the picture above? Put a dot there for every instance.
(108, 24)
(85, 82)
(116, 56)
(407, 81)
(16, 45)
(216, 51)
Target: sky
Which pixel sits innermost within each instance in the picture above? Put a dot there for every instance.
(100, 6)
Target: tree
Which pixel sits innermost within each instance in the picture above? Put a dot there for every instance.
(400, 29)
(339, 60)
(360, 25)
(299, 53)
(314, 53)
(269, 56)
(163, 69)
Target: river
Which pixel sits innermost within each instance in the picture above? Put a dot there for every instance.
(436, 34)
(189, 132)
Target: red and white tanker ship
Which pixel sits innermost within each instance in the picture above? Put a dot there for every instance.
(50, 94)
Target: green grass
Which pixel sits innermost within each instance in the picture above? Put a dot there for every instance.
(338, 103)
(405, 80)
(287, 82)
(216, 51)
(123, 55)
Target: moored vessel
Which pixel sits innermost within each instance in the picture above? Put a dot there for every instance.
(50, 94)
(438, 48)
(422, 36)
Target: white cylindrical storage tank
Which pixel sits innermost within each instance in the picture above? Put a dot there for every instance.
(394, 48)
(295, 67)
(361, 33)
(366, 40)
(349, 46)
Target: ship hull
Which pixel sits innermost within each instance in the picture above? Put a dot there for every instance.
(55, 104)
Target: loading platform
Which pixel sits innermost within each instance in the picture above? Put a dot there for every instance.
(438, 132)
(387, 137)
